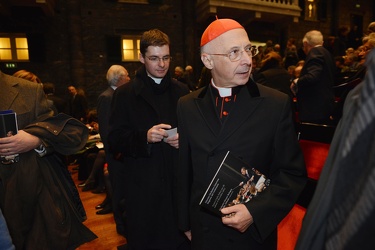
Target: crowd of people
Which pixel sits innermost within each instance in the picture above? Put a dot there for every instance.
(246, 100)
(329, 67)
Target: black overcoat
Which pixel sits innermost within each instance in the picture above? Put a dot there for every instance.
(258, 129)
(315, 97)
(149, 168)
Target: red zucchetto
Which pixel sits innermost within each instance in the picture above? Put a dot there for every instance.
(218, 27)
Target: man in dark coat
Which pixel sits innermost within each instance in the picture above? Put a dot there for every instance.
(58, 102)
(272, 74)
(37, 195)
(252, 121)
(142, 111)
(315, 97)
(77, 105)
(116, 76)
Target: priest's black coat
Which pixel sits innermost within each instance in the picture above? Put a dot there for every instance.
(258, 129)
(149, 168)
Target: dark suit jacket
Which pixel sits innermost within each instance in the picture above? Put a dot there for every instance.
(37, 195)
(58, 102)
(78, 107)
(259, 130)
(103, 109)
(117, 173)
(315, 94)
(276, 78)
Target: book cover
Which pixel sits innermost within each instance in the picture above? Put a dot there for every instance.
(8, 127)
(8, 123)
(234, 182)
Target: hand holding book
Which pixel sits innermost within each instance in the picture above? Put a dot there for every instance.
(8, 128)
(237, 217)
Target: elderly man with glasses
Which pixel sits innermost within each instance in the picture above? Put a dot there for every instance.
(254, 123)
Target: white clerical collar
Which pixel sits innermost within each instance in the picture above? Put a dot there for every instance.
(223, 92)
(157, 80)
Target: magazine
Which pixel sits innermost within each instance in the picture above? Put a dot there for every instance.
(8, 127)
(234, 182)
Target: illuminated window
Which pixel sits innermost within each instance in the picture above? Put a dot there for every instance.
(310, 10)
(5, 49)
(14, 48)
(130, 48)
(22, 48)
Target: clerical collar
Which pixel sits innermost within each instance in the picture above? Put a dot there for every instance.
(157, 80)
(223, 92)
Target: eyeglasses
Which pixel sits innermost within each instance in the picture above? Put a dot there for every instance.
(236, 54)
(158, 59)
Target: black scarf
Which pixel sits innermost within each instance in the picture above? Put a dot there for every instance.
(157, 88)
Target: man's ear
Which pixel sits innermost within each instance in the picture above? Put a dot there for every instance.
(207, 61)
(141, 58)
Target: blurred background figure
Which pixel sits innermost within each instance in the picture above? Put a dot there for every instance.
(205, 77)
(291, 56)
(178, 73)
(27, 75)
(116, 76)
(272, 74)
(77, 105)
(188, 76)
(189, 71)
(314, 86)
(59, 104)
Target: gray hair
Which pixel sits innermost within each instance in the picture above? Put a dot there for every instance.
(313, 38)
(114, 73)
